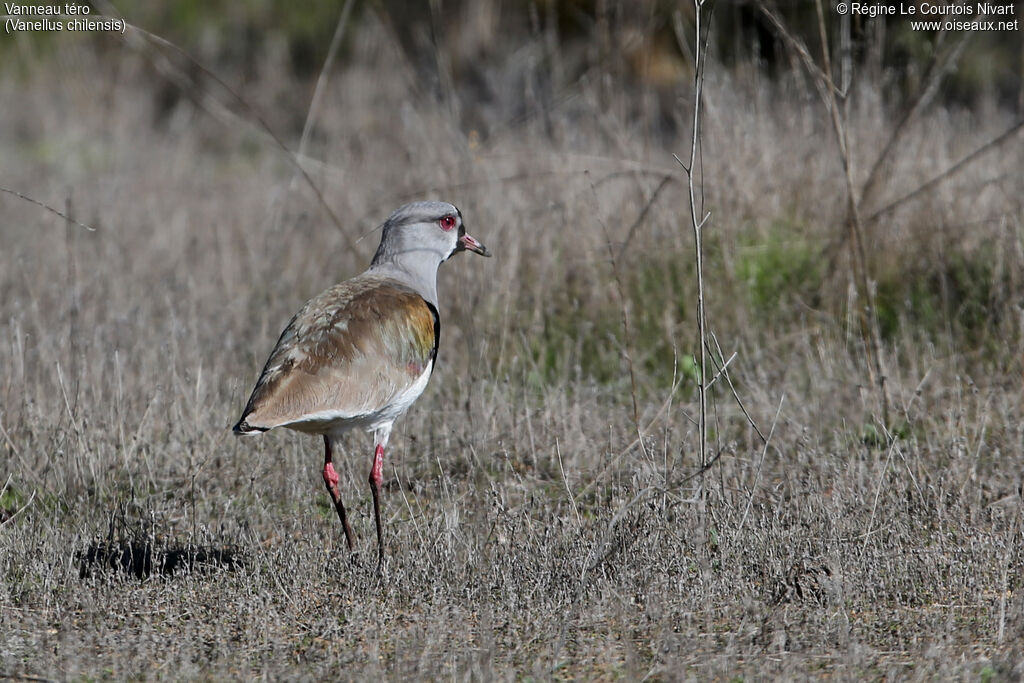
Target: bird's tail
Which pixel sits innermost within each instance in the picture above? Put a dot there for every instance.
(243, 428)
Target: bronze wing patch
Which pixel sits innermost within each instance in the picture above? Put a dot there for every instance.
(348, 352)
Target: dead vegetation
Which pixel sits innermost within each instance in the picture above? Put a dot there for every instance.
(534, 529)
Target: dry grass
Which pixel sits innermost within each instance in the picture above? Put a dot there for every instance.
(531, 532)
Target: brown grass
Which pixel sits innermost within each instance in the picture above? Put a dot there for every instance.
(531, 531)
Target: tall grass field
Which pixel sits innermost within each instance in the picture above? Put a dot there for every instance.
(172, 195)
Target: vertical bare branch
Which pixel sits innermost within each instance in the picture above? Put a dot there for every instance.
(700, 52)
(868, 315)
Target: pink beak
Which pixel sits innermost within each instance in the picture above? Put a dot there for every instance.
(468, 243)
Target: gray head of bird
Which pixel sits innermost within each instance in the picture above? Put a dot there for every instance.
(417, 238)
(425, 231)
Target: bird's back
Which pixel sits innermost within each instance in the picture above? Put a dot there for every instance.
(356, 355)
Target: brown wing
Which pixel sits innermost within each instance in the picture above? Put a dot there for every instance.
(346, 354)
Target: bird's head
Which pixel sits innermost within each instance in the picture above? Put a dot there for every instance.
(425, 231)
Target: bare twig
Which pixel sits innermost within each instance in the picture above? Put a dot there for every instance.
(700, 52)
(636, 169)
(939, 65)
(724, 371)
(822, 81)
(704, 468)
(19, 510)
(643, 214)
(944, 175)
(110, 10)
(321, 81)
(869, 318)
(565, 480)
(318, 93)
(878, 488)
(412, 515)
(722, 368)
(760, 463)
(47, 207)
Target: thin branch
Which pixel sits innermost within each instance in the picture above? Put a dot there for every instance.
(760, 463)
(110, 10)
(933, 77)
(722, 368)
(822, 81)
(725, 372)
(696, 225)
(321, 81)
(19, 510)
(826, 55)
(703, 468)
(47, 207)
(643, 214)
(878, 488)
(994, 142)
(565, 481)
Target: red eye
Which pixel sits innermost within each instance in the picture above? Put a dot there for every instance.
(447, 223)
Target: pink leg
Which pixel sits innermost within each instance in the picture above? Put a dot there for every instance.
(331, 480)
(376, 478)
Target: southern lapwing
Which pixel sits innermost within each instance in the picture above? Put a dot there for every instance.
(357, 355)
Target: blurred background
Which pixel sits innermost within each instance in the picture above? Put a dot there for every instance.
(555, 122)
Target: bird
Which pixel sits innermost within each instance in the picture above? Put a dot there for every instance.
(357, 355)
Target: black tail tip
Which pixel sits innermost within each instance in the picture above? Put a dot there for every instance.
(243, 428)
